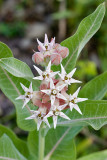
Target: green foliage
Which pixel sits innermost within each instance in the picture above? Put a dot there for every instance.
(94, 114)
(96, 156)
(10, 85)
(58, 143)
(12, 29)
(16, 67)
(87, 28)
(5, 51)
(96, 88)
(8, 150)
(18, 143)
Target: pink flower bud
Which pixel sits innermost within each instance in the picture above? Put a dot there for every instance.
(63, 51)
(38, 58)
(56, 58)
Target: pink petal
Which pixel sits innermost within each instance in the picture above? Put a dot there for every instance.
(45, 98)
(38, 58)
(63, 51)
(56, 58)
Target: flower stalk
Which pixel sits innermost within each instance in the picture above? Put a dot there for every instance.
(41, 145)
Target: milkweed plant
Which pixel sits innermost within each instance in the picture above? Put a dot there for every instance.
(45, 107)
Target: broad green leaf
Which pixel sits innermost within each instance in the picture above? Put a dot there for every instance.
(94, 114)
(87, 28)
(96, 88)
(16, 67)
(8, 150)
(58, 143)
(5, 51)
(102, 155)
(18, 143)
(10, 86)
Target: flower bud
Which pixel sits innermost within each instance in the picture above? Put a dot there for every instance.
(56, 59)
(38, 58)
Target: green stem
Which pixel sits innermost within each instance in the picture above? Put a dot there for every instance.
(41, 145)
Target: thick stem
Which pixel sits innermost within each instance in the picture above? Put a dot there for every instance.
(41, 145)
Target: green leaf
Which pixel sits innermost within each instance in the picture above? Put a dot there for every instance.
(5, 51)
(94, 114)
(87, 28)
(96, 88)
(16, 67)
(19, 144)
(10, 86)
(58, 143)
(8, 150)
(102, 155)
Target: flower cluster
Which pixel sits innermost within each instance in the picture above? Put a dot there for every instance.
(49, 51)
(52, 98)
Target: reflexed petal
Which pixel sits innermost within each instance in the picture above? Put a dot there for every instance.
(74, 81)
(25, 102)
(63, 72)
(31, 117)
(38, 78)
(24, 88)
(38, 124)
(71, 97)
(48, 69)
(46, 40)
(52, 74)
(46, 121)
(71, 73)
(48, 91)
(76, 93)
(77, 108)
(30, 87)
(52, 84)
(49, 114)
(52, 42)
(80, 100)
(71, 106)
(59, 88)
(61, 96)
(61, 114)
(38, 70)
(55, 121)
(21, 97)
(62, 107)
(61, 75)
(41, 45)
(52, 99)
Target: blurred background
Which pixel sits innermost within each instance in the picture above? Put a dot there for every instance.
(23, 21)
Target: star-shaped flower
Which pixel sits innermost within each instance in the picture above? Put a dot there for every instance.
(46, 75)
(28, 94)
(55, 112)
(72, 101)
(40, 116)
(46, 46)
(54, 92)
(67, 78)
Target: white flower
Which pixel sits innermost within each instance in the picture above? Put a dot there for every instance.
(73, 99)
(28, 94)
(46, 75)
(53, 92)
(67, 78)
(46, 46)
(55, 112)
(40, 116)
